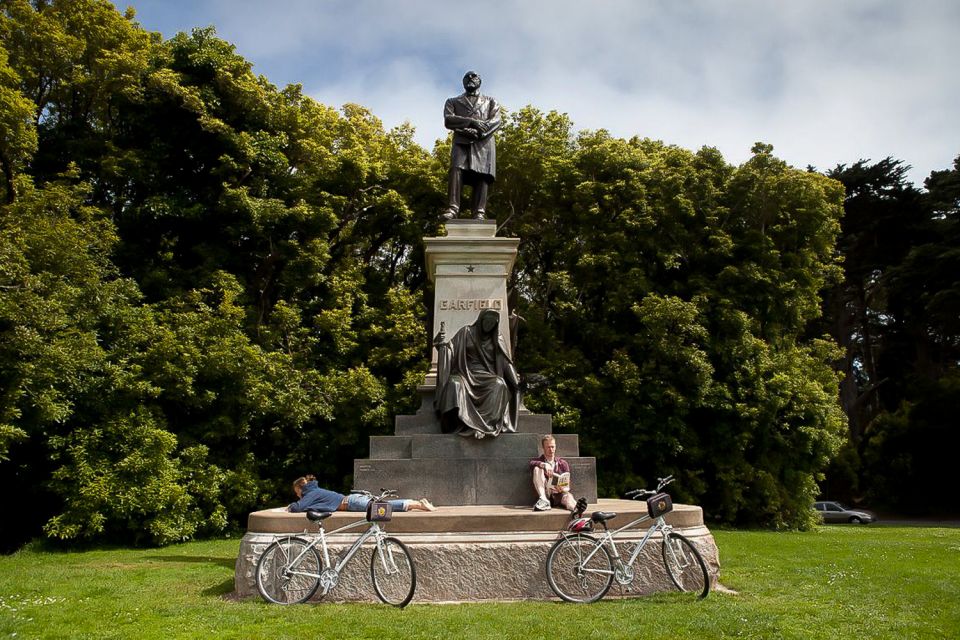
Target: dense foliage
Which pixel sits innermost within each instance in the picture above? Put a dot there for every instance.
(896, 314)
(666, 298)
(206, 281)
(209, 285)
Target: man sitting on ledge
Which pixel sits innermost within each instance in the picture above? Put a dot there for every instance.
(549, 482)
(312, 497)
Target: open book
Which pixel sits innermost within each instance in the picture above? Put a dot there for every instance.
(561, 480)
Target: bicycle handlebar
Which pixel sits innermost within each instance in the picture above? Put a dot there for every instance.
(384, 493)
(639, 494)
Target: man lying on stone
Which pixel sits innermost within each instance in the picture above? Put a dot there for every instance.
(314, 498)
(551, 478)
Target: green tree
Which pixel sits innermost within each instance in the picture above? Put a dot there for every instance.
(667, 295)
(275, 243)
(211, 285)
(896, 313)
(18, 139)
(87, 444)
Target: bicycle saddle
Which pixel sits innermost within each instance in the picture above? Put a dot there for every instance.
(317, 516)
(603, 516)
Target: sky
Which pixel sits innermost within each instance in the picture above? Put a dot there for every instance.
(826, 82)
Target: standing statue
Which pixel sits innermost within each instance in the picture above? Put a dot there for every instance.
(478, 389)
(473, 118)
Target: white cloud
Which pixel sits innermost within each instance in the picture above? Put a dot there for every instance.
(825, 82)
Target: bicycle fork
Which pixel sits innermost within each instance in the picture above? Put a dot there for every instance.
(677, 554)
(385, 551)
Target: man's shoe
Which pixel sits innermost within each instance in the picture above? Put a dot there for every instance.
(448, 214)
(580, 508)
(480, 215)
(542, 505)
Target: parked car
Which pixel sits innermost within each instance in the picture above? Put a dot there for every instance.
(836, 512)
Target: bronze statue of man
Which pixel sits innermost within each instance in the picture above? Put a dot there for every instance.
(473, 118)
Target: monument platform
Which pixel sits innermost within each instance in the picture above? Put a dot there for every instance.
(468, 550)
(474, 553)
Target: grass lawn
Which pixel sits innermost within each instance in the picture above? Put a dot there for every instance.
(835, 582)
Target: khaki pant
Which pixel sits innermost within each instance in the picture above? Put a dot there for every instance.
(541, 484)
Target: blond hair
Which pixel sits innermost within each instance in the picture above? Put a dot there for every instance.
(544, 439)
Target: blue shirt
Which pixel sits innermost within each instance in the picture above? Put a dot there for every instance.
(314, 498)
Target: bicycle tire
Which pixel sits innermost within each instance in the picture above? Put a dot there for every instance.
(393, 572)
(573, 580)
(274, 582)
(685, 565)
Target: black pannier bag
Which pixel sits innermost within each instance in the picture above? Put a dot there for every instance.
(659, 504)
(379, 511)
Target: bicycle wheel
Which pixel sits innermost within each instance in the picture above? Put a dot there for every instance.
(281, 583)
(579, 568)
(393, 573)
(685, 565)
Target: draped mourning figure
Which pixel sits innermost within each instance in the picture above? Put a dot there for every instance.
(478, 390)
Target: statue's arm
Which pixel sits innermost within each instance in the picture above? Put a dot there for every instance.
(510, 376)
(493, 122)
(441, 336)
(453, 121)
(444, 356)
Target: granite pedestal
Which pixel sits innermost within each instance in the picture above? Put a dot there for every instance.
(479, 553)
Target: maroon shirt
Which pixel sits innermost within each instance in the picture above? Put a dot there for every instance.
(559, 464)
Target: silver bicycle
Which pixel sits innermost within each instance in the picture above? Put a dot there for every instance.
(291, 570)
(581, 567)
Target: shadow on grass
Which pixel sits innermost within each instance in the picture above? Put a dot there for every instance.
(219, 590)
(229, 563)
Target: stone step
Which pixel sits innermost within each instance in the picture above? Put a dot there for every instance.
(426, 422)
(467, 481)
(511, 445)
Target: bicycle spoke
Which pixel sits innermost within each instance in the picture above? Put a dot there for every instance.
(393, 572)
(685, 566)
(282, 583)
(579, 569)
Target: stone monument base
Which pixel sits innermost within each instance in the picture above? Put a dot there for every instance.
(475, 553)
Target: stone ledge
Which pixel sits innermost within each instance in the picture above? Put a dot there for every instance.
(481, 519)
(504, 567)
(457, 446)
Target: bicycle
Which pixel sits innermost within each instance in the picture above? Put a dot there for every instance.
(581, 567)
(290, 571)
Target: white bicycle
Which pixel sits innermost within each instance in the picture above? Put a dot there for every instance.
(290, 571)
(581, 568)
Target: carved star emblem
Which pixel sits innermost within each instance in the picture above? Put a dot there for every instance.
(470, 268)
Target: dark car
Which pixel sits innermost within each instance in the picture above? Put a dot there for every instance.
(836, 512)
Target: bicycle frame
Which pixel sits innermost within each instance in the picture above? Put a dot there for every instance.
(608, 539)
(373, 530)
(581, 567)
